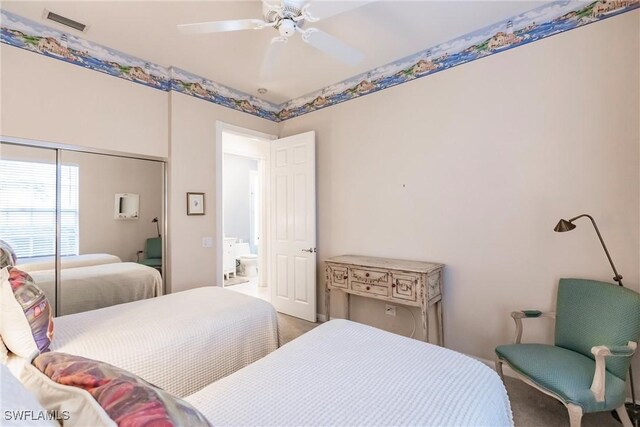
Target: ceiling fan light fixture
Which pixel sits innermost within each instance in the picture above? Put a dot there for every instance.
(262, 90)
(287, 27)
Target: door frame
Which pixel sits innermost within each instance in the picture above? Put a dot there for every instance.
(264, 259)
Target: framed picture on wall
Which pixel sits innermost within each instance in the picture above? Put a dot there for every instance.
(195, 203)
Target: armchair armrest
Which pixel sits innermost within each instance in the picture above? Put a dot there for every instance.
(601, 352)
(524, 314)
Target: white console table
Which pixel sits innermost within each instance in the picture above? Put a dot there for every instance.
(412, 283)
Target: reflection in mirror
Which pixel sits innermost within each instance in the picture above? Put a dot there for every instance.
(127, 206)
(28, 209)
(119, 254)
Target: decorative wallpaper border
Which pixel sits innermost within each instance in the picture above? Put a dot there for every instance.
(537, 24)
(35, 37)
(190, 84)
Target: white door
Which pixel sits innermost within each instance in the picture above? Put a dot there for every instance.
(293, 226)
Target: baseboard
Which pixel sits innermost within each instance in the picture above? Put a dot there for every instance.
(321, 318)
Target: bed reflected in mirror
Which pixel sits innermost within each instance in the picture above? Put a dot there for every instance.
(118, 198)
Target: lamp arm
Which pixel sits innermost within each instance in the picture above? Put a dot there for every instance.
(618, 277)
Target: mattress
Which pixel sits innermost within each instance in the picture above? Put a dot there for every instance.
(98, 286)
(180, 342)
(69, 262)
(344, 373)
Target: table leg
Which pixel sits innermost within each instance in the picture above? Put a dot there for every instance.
(327, 304)
(425, 320)
(348, 306)
(440, 323)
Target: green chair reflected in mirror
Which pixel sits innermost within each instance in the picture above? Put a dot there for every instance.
(596, 334)
(152, 254)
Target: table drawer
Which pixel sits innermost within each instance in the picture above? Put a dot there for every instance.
(369, 277)
(337, 276)
(367, 288)
(404, 286)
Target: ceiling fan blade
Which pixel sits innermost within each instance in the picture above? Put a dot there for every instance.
(271, 58)
(221, 26)
(321, 9)
(333, 46)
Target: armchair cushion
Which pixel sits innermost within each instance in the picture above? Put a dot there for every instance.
(152, 262)
(565, 373)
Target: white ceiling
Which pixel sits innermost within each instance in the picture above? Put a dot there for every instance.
(383, 30)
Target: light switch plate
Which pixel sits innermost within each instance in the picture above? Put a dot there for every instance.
(207, 242)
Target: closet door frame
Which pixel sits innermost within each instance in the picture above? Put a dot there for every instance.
(59, 149)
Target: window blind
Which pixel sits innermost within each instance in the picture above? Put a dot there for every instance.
(28, 208)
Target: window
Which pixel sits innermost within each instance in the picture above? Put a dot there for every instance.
(28, 208)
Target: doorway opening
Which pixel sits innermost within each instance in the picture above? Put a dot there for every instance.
(245, 214)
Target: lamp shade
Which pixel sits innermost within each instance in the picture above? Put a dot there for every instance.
(564, 225)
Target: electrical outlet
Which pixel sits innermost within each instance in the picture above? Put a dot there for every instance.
(207, 242)
(390, 310)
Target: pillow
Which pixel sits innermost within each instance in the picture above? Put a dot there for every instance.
(72, 406)
(18, 407)
(27, 325)
(4, 352)
(126, 399)
(7, 255)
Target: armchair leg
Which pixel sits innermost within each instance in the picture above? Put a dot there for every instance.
(575, 415)
(624, 416)
(499, 368)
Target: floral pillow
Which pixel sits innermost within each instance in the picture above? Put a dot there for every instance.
(27, 325)
(127, 400)
(7, 255)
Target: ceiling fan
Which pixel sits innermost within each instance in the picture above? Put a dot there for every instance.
(289, 17)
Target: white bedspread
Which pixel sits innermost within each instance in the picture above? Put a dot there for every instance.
(346, 374)
(68, 262)
(98, 286)
(180, 342)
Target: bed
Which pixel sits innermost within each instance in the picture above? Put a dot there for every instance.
(74, 261)
(180, 342)
(345, 373)
(98, 286)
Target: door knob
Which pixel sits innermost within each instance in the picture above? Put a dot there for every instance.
(310, 250)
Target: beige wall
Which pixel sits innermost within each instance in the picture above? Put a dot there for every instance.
(193, 168)
(473, 167)
(54, 101)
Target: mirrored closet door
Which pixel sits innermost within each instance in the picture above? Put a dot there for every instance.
(28, 201)
(107, 217)
(117, 230)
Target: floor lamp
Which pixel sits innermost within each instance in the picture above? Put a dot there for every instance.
(568, 225)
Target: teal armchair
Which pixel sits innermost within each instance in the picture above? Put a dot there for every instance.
(152, 253)
(596, 334)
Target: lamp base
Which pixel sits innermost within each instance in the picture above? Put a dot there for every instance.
(633, 411)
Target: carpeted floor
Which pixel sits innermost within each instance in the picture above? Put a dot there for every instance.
(530, 407)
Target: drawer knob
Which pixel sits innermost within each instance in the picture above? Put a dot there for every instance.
(393, 285)
(368, 288)
(345, 277)
(366, 274)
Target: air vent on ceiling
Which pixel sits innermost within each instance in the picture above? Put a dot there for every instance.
(64, 21)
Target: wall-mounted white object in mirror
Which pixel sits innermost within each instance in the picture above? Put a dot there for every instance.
(127, 206)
